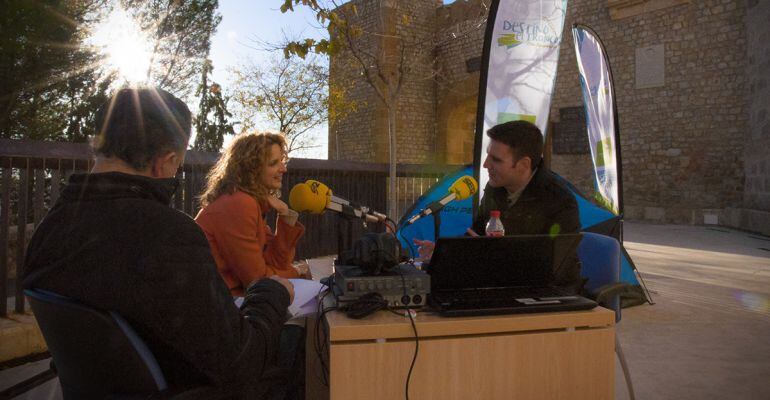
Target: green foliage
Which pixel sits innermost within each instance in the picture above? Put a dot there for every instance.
(180, 32)
(212, 122)
(50, 82)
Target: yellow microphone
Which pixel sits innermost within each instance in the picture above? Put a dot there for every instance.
(464, 187)
(461, 189)
(310, 196)
(315, 197)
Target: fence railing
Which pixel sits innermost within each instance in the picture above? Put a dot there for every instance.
(33, 173)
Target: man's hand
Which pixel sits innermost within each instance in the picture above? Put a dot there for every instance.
(425, 249)
(278, 205)
(288, 285)
(471, 233)
(303, 269)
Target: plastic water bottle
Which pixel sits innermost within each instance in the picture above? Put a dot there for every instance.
(494, 225)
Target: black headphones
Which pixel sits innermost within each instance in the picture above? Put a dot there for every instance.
(375, 253)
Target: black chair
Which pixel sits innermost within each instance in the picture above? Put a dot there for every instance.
(600, 259)
(96, 353)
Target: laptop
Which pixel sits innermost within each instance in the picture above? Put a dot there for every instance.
(502, 275)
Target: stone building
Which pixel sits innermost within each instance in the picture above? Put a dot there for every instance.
(692, 88)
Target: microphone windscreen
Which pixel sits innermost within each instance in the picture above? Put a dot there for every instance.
(307, 197)
(464, 187)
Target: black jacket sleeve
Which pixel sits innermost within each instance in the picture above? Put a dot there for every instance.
(194, 322)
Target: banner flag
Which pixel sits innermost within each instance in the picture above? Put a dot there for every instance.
(519, 62)
(601, 116)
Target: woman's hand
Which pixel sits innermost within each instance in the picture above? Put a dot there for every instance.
(303, 269)
(278, 205)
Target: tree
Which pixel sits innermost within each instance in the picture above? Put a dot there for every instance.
(383, 51)
(51, 83)
(291, 93)
(211, 124)
(180, 32)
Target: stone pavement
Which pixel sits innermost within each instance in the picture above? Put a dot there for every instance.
(707, 336)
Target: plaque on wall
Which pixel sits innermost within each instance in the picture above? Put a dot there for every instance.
(650, 66)
(569, 134)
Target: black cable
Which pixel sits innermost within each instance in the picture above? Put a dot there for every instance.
(413, 252)
(366, 305)
(319, 344)
(416, 336)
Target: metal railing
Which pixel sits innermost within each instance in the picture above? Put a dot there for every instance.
(33, 173)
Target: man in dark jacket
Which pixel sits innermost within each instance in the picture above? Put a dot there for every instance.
(529, 197)
(112, 242)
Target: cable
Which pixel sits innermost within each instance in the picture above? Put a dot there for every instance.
(319, 344)
(416, 336)
(366, 305)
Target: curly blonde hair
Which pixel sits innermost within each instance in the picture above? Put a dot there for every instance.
(240, 166)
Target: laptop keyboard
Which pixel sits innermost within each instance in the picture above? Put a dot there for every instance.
(494, 298)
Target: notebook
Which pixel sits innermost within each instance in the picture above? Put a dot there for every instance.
(502, 275)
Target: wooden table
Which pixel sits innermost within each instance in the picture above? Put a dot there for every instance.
(567, 355)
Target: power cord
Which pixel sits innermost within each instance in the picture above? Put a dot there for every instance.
(416, 336)
(320, 342)
(366, 305)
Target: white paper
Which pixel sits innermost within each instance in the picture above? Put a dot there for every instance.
(305, 297)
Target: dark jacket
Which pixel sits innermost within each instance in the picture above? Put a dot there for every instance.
(112, 242)
(545, 207)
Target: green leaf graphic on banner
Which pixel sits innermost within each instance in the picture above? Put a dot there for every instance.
(504, 117)
(508, 40)
(603, 152)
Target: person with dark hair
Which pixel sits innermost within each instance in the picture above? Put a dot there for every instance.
(112, 242)
(530, 198)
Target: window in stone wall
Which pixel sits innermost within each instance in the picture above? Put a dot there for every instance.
(628, 8)
(569, 134)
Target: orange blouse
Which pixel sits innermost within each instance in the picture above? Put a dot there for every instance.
(244, 247)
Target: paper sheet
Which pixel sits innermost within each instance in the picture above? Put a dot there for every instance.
(305, 297)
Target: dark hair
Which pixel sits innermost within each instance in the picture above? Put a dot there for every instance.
(524, 139)
(139, 124)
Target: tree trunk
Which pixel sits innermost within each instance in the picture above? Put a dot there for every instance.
(392, 196)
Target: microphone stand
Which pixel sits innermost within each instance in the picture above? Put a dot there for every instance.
(436, 225)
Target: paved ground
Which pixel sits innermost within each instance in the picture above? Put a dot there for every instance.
(707, 336)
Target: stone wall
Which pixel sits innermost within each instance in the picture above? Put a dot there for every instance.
(757, 155)
(459, 41)
(693, 143)
(353, 137)
(754, 215)
(681, 149)
(363, 134)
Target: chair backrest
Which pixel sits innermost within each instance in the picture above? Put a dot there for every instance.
(600, 264)
(96, 353)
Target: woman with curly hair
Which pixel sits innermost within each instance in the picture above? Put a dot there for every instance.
(242, 187)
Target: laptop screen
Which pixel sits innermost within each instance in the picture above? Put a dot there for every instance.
(498, 262)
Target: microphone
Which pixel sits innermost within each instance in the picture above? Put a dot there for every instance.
(461, 189)
(314, 197)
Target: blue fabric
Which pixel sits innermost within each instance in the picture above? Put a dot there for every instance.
(600, 259)
(456, 217)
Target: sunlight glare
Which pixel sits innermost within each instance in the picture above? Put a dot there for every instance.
(125, 45)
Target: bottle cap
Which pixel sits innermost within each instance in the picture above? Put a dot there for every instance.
(494, 214)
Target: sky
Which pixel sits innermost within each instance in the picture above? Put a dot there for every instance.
(246, 23)
(245, 27)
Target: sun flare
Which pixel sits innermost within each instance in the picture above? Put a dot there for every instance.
(125, 46)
